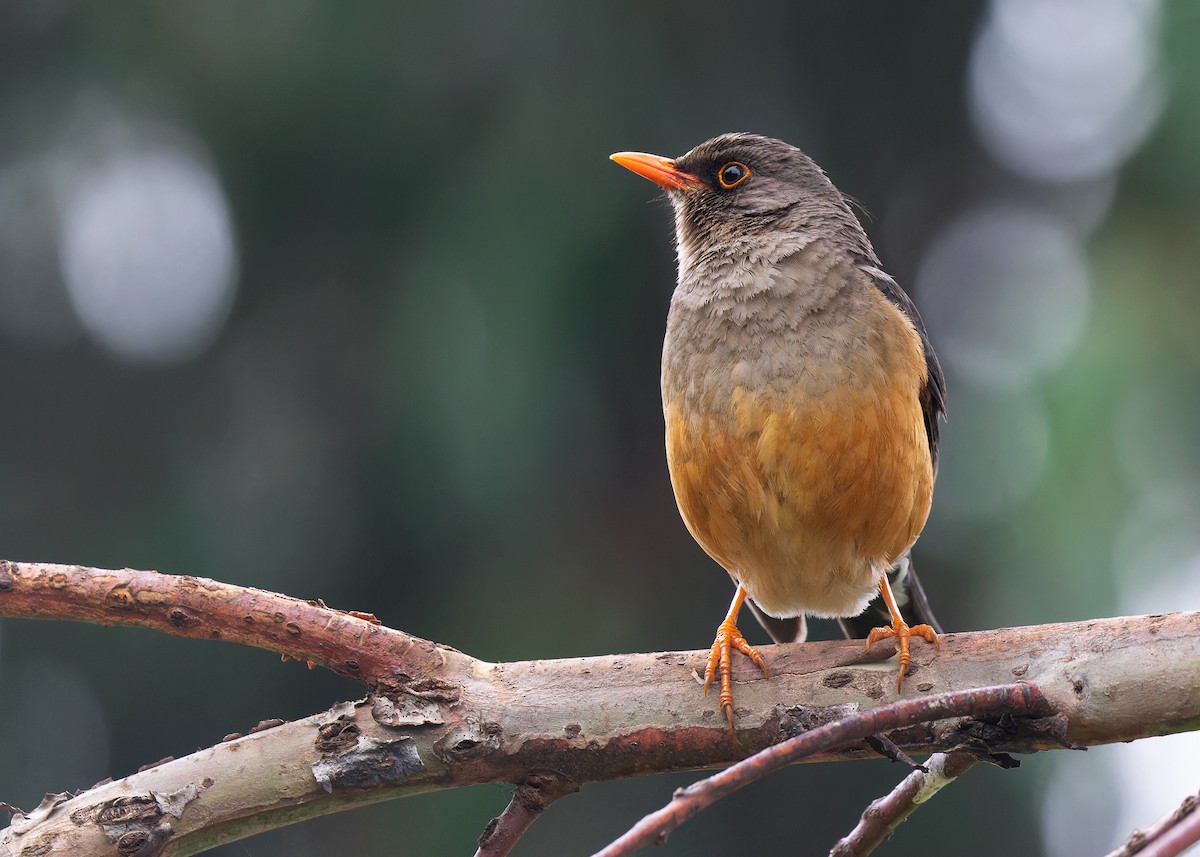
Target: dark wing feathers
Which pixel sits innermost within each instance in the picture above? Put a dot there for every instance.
(933, 395)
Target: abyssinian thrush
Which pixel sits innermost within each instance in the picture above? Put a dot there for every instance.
(801, 397)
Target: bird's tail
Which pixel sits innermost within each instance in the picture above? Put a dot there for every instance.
(790, 630)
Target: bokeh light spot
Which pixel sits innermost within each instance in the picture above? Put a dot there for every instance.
(1050, 112)
(1005, 292)
(147, 252)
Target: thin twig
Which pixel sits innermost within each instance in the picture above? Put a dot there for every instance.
(886, 747)
(1015, 699)
(528, 802)
(354, 645)
(1170, 835)
(1177, 840)
(884, 815)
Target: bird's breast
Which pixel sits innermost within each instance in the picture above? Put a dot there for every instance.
(796, 444)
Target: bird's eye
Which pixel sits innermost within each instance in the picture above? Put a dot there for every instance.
(733, 174)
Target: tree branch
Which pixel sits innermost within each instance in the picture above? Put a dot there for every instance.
(444, 719)
(1017, 700)
(528, 802)
(1177, 840)
(353, 645)
(1170, 835)
(883, 816)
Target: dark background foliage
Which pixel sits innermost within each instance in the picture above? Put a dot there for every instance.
(346, 301)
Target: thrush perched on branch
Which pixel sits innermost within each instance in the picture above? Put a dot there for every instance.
(801, 397)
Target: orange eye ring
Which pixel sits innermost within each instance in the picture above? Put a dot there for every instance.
(733, 174)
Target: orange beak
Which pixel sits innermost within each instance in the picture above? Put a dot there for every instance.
(662, 171)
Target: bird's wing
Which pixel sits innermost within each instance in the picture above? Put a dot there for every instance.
(903, 577)
(933, 394)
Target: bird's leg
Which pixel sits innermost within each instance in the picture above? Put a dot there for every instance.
(729, 638)
(900, 630)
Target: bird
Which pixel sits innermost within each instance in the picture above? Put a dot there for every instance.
(801, 399)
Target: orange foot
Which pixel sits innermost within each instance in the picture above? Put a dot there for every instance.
(903, 633)
(728, 639)
(900, 630)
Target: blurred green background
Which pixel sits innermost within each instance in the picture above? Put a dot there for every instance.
(346, 301)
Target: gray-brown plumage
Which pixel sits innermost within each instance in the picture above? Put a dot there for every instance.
(800, 392)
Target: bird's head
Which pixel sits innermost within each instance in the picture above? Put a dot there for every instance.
(740, 185)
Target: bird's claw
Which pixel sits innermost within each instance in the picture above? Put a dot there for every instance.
(720, 662)
(903, 633)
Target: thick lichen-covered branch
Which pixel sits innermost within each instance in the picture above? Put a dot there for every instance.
(442, 719)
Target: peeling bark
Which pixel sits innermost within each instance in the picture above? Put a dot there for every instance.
(443, 719)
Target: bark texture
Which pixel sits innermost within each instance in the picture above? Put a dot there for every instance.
(441, 719)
